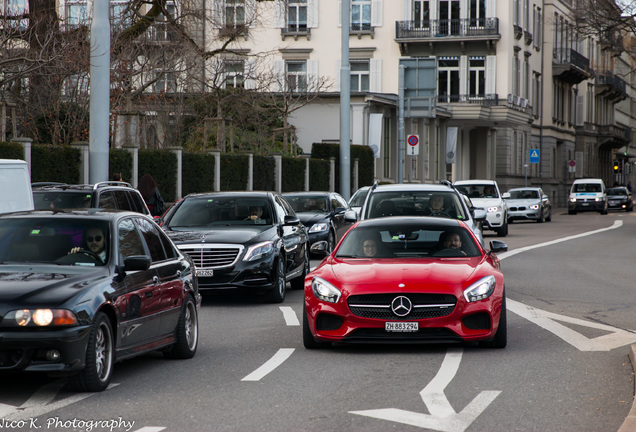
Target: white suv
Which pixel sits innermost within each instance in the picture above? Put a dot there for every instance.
(485, 194)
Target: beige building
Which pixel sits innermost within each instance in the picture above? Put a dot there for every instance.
(529, 100)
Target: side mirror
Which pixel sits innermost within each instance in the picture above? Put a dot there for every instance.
(479, 214)
(505, 195)
(498, 246)
(291, 220)
(351, 216)
(320, 247)
(339, 210)
(136, 262)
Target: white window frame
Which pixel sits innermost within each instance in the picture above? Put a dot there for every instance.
(300, 78)
(360, 75)
(233, 73)
(476, 74)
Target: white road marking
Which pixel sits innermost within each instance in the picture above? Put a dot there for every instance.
(617, 224)
(150, 429)
(615, 338)
(271, 364)
(442, 416)
(290, 316)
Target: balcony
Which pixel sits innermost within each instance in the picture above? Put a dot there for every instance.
(419, 37)
(611, 87)
(479, 99)
(295, 32)
(570, 66)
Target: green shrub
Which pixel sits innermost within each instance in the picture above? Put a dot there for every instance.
(11, 150)
(55, 164)
(233, 172)
(120, 161)
(293, 177)
(264, 173)
(162, 166)
(198, 173)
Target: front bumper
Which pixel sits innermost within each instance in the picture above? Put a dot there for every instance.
(27, 350)
(524, 215)
(256, 277)
(466, 322)
(617, 204)
(586, 205)
(494, 220)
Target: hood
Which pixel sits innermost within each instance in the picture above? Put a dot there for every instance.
(25, 286)
(310, 218)
(412, 273)
(232, 234)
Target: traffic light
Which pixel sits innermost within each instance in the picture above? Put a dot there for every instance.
(615, 167)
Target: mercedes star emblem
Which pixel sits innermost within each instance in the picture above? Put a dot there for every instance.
(401, 306)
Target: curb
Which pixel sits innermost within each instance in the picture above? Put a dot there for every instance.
(629, 425)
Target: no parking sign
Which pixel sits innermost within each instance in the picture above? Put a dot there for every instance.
(414, 145)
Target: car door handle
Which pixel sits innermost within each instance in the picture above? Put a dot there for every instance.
(155, 280)
(148, 294)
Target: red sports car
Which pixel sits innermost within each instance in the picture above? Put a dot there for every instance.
(407, 280)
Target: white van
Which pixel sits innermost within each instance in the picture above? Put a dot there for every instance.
(588, 195)
(15, 184)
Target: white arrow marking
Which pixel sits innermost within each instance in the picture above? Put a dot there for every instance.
(442, 416)
(271, 364)
(547, 320)
(290, 316)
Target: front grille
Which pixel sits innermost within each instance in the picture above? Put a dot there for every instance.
(425, 306)
(517, 208)
(212, 256)
(423, 335)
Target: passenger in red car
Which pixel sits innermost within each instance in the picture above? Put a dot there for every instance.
(451, 240)
(370, 248)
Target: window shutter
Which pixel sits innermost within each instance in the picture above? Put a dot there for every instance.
(279, 13)
(312, 14)
(248, 73)
(339, 14)
(312, 75)
(337, 80)
(376, 13)
(279, 75)
(463, 75)
(375, 78)
(406, 10)
(490, 9)
(580, 110)
(491, 74)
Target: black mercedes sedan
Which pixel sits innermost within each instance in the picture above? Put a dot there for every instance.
(323, 213)
(83, 289)
(248, 241)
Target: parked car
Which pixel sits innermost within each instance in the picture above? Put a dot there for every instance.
(106, 195)
(588, 194)
(323, 214)
(620, 198)
(528, 203)
(429, 280)
(357, 199)
(83, 289)
(485, 194)
(249, 241)
(415, 200)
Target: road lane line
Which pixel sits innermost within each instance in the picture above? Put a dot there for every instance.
(290, 316)
(617, 224)
(271, 364)
(150, 429)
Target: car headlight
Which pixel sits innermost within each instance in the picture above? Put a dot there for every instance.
(573, 199)
(534, 207)
(480, 290)
(494, 209)
(319, 227)
(323, 290)
(599, 199)
(39, 317)
(258, 251)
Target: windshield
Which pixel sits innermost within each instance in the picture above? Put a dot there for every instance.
(617, 191)
(64, 241)
(358, 198)
(415, 203)
(478, 190)
(407, 240)
(46, 200)
(524, 194)
(308, 203)
(587, 187)
(223, 210)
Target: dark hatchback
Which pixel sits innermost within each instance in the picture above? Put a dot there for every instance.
(72, 312)
(249, 241)
(619, 198)
(323, 214)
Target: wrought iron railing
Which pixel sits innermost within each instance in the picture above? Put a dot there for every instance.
(467, 27)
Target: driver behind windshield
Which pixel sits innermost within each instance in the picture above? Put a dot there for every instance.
(95, 242)
(437, 207)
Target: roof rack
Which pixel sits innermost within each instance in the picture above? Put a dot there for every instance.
(111, 183)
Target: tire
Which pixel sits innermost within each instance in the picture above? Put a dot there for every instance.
(501, 337)
(548, 218)
(186, 332)
(605, 211)
(277, 294)
(100, 352)
(540, 220)
(331, 243)
(503, 231)
(298, 283)
(571, 212)
(308, 339)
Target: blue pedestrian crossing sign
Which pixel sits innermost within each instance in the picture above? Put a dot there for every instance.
(534, 155)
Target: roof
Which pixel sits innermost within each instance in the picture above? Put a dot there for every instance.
(469, 182)
(438, 222)
(229, 193)
(96, 213)
(413, 187)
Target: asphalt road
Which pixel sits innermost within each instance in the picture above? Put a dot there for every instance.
(571, 322)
